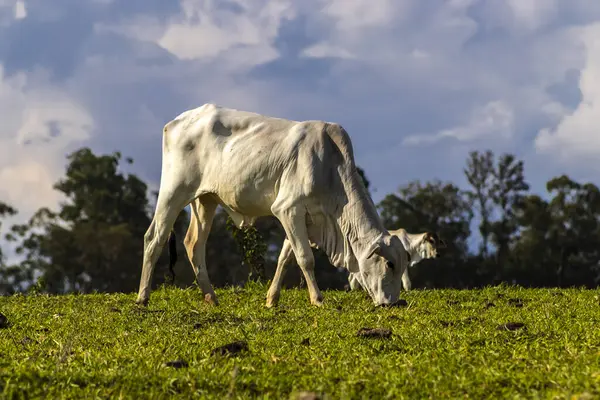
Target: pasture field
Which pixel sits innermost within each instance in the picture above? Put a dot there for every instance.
(444, 344)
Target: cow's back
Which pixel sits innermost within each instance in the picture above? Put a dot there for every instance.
(248, 159)
(309, 152)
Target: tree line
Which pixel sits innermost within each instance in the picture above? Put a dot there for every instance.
(93, 242)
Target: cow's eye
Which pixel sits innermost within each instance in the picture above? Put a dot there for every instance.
(390, 265)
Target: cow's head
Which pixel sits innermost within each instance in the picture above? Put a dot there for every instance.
(428, 246)
(380, 269)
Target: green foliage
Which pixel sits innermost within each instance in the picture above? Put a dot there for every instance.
(496, 188)
(253, 248)
(38, 287)
(445, 344)
(363, 176)
(560, 238)
(5, 211)
(479, 171)
(10, 275)
(94, 242)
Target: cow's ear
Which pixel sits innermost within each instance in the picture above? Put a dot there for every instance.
(374, 249)
(395, 241)
(432, 237)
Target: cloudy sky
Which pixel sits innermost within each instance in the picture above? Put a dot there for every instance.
(417, 83)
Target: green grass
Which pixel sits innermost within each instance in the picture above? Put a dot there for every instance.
(445, 344)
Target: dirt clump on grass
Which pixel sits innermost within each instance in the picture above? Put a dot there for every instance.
(176, 364)
(515, 302)
(374, 333)
(511, 326)
(3, 321)
(230, 349)
(27, 340)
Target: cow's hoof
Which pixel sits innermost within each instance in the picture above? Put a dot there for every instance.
(142, 302)
(272, 301)
(270, 304)
(317, 302)
(211, 299)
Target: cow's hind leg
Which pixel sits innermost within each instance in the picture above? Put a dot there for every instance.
(293, 220)
(168, 206)
(201, 219)
(285, 257)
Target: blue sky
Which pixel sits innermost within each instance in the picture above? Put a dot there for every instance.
(417, 83)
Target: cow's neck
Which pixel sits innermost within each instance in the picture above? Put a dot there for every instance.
(359, 221)
(409, 241)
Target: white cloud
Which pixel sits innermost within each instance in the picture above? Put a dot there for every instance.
(400, 41)
(325, 50)
(39, 125)
(521, 17)
(20, 10)
(205, 31)
(577, 135)
(533, 14)
(495, 119)
(349, 25)
(352, 15)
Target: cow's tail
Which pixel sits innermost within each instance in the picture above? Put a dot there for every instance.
(172, 254)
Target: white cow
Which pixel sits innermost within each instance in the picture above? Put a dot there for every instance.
(303, 173)
(418, 246)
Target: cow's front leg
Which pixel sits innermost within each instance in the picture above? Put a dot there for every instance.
(293, 220)
(285, 257)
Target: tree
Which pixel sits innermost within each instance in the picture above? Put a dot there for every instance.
(575, 232)
(479, 172)
(507, 191)
(94, 242)
(533, 254)
(363, 177)
(7, 274)
(560, 238)
(497, 187)
(5, 211)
